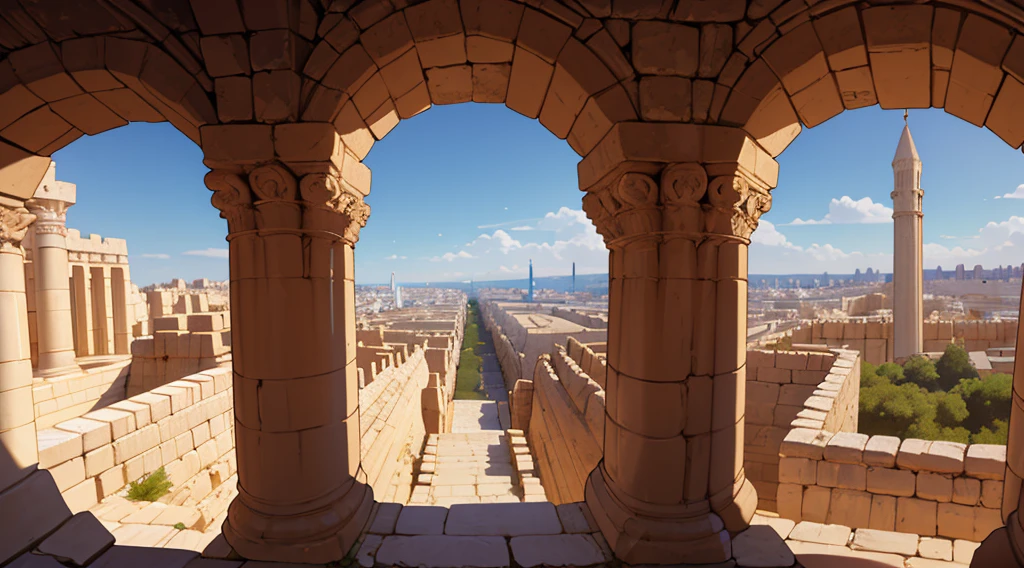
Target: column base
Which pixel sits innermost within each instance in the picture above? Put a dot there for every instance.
(315, 537)
(682, 534)
(998, 548)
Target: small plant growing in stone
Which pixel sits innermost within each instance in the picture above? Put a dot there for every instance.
(180, 526)
(150, 489)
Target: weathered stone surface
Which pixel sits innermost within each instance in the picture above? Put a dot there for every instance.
(505, 519)
(441, 551)
(820, 533)
(78, 541)
(556, 550)
(985, 461)
(885, 541)
(421, 520)
(761, 546)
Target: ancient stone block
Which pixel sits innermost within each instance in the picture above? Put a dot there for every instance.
(985, 461)
(934, 487)
(815, 504)
(846, 447)
(966, 491)
(883, 513)
(850, 508)
(661, 48)
(917, 516)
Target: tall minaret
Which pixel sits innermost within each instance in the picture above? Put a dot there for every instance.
(529, 295)
(907, 273)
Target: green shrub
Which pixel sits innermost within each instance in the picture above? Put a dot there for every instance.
(150, 489)
(955, 364)
(180, 526)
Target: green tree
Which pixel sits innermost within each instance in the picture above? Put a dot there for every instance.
(998, 435)
(921, 371)
(950, 409)
(955, 364)
(891, 371)
(988, 400)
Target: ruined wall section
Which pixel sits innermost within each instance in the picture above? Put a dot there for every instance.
(510, 359)
(391, 427)
(587, 318)
(566, 424)
(788, 389)
(186, 427)
(182, 344)
(69, 397)
(874, 339)
(914, 486)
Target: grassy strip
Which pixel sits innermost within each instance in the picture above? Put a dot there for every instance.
(469, 380)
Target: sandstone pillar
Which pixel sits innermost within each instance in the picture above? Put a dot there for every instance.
(52, 289)
(18, 452)
(85, 343)
(671, 487)
(302, 495)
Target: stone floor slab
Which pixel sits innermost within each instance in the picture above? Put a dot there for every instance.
(807, 531)
(443, 551)
(79, 541)
(761, 547)
(557, 550)
(418, 520)
(503, 519)
(885, 541)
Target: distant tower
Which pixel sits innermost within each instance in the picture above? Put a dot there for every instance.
(938, 273)
(529, 293)
(574, 278)
(961, 272)
(392, 282)
(908, 216)
(979, 272)
(398, 297)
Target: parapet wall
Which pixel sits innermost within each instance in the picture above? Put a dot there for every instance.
(61, 399)
(915, 486)
(566, 423)
(186, 427)
(511, 361)
(581, 317)
(874, 339)
(181, 345)
(788, 389)
(391, 427)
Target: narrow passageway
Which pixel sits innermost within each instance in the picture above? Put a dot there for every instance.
(473, 463)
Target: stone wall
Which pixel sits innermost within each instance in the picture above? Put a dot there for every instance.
(596, 319)
(182, 344)
(56, 400)
(566, 424)
(392, 427)
(874, 339)
(186, 427)
(927, 488)
(511, 361)
(787, 389)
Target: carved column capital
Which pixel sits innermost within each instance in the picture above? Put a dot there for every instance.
(678, 201)
(14, 223)
(51, 215)
(273, 198)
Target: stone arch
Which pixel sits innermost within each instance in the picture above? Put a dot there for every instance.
(376, 66)
(969, 61)
(53, 93)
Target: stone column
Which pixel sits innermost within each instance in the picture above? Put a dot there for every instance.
(671, 487)
(52, 293)
(18, 453)
(302, 495)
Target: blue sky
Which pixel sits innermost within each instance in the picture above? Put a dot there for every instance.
(474, 191)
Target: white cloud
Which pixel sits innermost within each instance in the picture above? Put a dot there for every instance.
(506, 223)
(209, 253)
(847, 211)
(395, 257)
(553, 242)
(157, 256)
(450, 256)
(997, 243)
(1015, 194)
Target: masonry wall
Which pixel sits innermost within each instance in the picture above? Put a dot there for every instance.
(182, 344)
(787, 389)
(186, 427)
(586, 318)
(392, 428)
(61, 399)
(511, 361)
(923, 487)
(566, 423)
(874, 339)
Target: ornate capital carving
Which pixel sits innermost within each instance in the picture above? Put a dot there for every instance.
(51, 216)
(14, 224)
(682, 202)
(272, 198)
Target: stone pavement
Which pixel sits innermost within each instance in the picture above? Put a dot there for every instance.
(467, 468)
(819, 545)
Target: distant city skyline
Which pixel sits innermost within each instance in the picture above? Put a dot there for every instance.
(473, 191)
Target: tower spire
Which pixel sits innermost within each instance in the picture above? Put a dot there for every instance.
(905, 113)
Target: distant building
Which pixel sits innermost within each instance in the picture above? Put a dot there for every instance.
(979, 272)
(938, 273)
(201, 283)
(908, 273)
(179, 284)
(961, 273)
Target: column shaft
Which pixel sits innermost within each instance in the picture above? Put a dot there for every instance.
(671, 486)
(302, 496)
(18, 453)
(52, 289)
